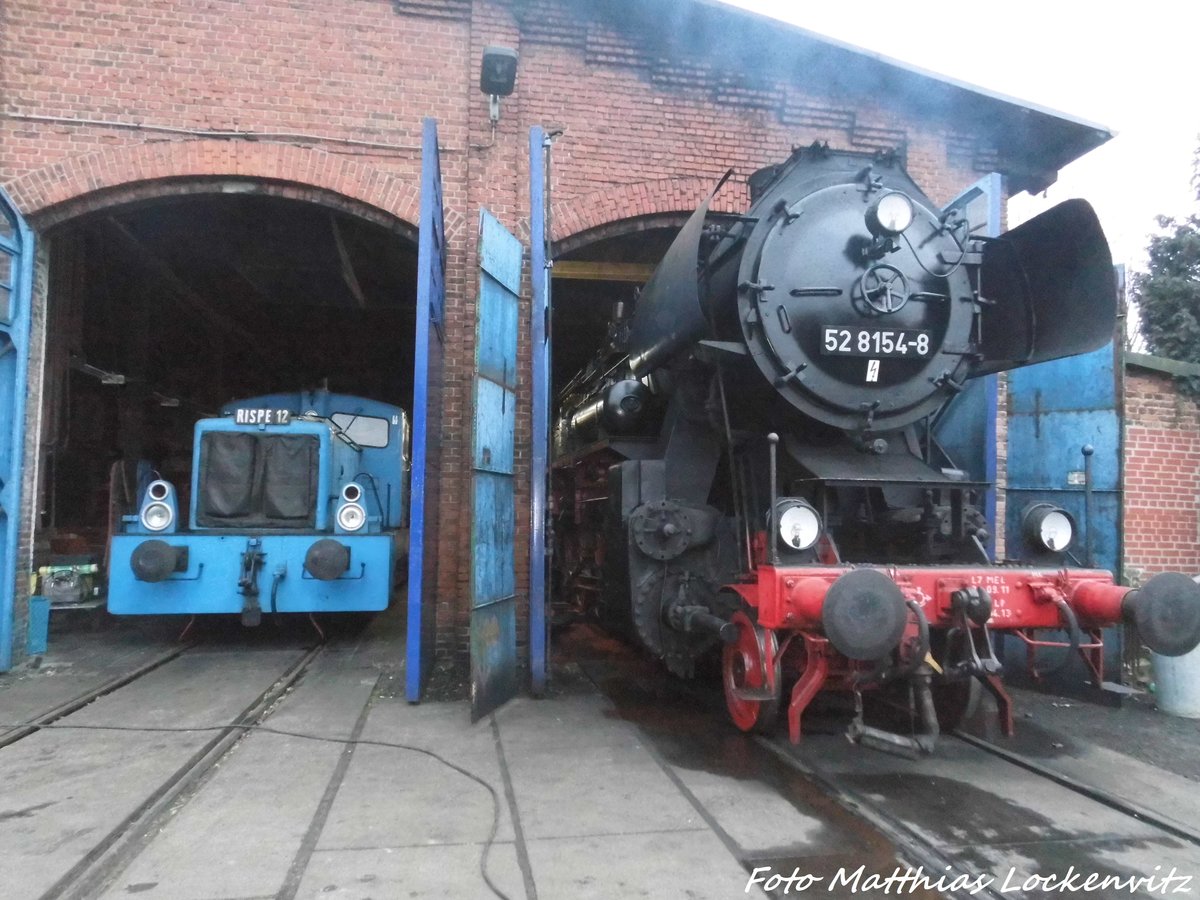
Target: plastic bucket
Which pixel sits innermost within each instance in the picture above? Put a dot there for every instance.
(1177, 683)
(39, 626)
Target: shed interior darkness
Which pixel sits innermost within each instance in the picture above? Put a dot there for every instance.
(583, 306)
(193, 301)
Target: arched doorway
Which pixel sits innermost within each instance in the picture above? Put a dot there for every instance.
(160, 309)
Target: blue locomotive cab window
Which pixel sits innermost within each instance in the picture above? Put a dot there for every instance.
(258, 480)
(366, 431)
(228, 460)
(287, 477)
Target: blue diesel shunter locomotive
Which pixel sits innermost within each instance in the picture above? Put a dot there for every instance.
(297, 503)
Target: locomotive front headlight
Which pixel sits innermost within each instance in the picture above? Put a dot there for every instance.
(157, 516)
(1048, 527)
(351, 517)
(890, 214)
(799, 525)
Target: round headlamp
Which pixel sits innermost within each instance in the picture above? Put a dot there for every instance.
(1048, 527)
(351, 492)
(890, 214)
(157, 516)
(797, 524)
(351, 517)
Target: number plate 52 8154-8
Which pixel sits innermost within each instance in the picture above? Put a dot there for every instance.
(876, 342)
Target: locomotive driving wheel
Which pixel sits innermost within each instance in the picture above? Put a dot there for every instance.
(751, 697)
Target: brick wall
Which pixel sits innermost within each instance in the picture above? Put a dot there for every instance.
(1162, 477)
(336, 91)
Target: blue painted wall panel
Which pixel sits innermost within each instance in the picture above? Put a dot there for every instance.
(16, 291)
(963, 427)
(499, 252)
(493, 513)
(1044, 451)
(494, 677)
(966, 428)
(495, 426)
(496, 350)
(426, 430)
(493, 529)
(539, 470)
(1078, 382)
(1055, 409)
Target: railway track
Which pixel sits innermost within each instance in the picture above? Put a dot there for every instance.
(974, 811)
(112, 841)
(1138, 811)
(912, 847)
(1030, 809)
(62, 710)
(824, 831)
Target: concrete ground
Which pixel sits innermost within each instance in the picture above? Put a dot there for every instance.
(1056, 727)
(619, 784)
(584, 807)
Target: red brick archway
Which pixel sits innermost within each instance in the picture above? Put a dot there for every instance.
(579, 220)
(119, 175)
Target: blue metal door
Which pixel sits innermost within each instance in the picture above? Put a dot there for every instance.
(966, 428)
(539, 276)
(1055, 410)
(426, 429)
(493, 513)
(16, 291)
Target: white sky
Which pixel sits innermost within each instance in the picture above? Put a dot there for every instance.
(1131, 67)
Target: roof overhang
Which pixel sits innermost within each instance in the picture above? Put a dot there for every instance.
(1031, 143)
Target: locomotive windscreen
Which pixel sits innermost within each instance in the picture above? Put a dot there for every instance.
(257, 481)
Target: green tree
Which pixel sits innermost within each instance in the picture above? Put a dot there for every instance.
(1168, 292)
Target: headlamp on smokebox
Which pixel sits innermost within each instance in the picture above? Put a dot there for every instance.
(890, 214)
(798, 525)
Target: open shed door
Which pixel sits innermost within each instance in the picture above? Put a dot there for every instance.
(539, 474)
(426, 430)
(966, 428)
(16, 291)
(493, 512)
(1055, 410)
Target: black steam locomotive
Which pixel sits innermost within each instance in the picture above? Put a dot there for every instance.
(750, 460)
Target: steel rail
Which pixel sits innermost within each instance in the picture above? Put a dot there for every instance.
(63, 710)
(116, 850)
(909, 842)
(1091, 792)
